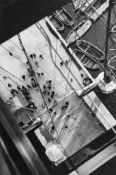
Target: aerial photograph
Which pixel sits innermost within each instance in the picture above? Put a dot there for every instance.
(58, 87)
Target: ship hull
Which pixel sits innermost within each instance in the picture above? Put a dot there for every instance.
(57, 24)
(78, 32)
(87, 61)
(90, 50)
(64, 17)
(94, 12)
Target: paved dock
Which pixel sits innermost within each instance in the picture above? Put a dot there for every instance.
(77, 125)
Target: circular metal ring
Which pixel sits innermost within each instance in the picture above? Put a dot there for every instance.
(86, 81)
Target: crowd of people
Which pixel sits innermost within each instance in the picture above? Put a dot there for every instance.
(47, 90)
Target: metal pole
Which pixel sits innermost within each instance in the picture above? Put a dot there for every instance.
(24, 50)
(106, 77)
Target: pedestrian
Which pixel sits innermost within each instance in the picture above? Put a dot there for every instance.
(50, 110)
(67, 103)
(28, 86)
(28, 98)
(43, 106)
(32, 105)
(19, 88)
(66, 127)
(52, 129)
(27, 62)
(71, 80)
(54, 113)
(82, 75)
(9, 85)
(49, 81)
(52, 94)
(10, 54)
(68, 116)
(14, 92)
(49, 87)
(44, 92)
(31, 72)
(44, 86)
(34, 55)
(38, 74)
(54, 103)
(24, 88)
(33, 82)
(49, 100)
(23, 77)
(36, 63)
(65, 106)
(48, 93)
(66, 62)
(61, 63)
(42, 73)
(41, 56)
(31, 56)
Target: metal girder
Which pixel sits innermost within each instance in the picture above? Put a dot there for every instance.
(107, 78)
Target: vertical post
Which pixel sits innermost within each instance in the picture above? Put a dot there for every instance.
(24, 50)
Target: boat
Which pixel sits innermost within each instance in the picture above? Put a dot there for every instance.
(81, 4)
(64, 17)
(78, 31)
(57, 23)
(95, 10)
(86, 60)
(112, 63)
(90, 50)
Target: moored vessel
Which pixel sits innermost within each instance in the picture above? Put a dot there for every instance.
(64, 17)
(57, 23)
(86, 60)
(78, 31)
(90, 50)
